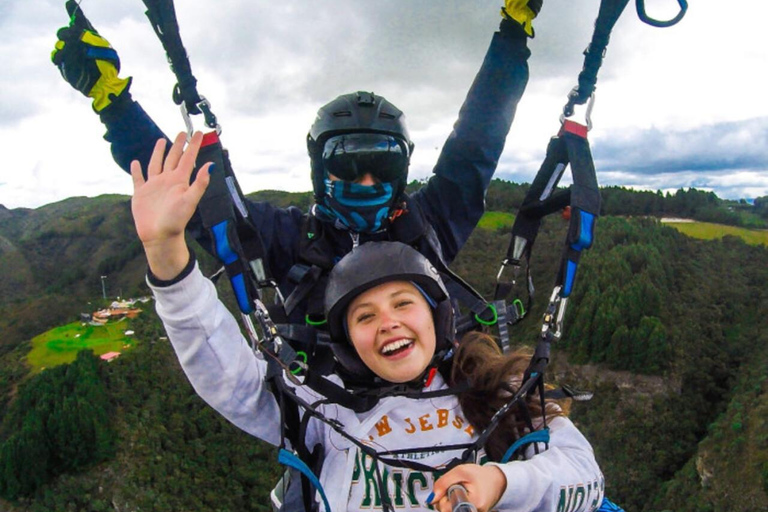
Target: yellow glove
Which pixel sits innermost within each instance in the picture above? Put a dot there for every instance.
(523, 12)
(87, 61)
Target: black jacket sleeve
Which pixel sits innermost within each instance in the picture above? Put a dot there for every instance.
(454, 198)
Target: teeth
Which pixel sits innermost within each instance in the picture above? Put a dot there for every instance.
(395, 346)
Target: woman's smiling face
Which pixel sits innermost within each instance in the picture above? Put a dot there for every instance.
(392, 328)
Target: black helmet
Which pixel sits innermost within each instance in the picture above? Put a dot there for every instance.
(359, 113)
(369, 265)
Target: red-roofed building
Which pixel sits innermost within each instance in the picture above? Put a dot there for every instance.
(109, 356)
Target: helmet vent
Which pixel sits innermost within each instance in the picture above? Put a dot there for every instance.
(343, 113)
(386, 115)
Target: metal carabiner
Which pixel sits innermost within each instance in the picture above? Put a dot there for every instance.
(269, 331)
(210, 118)
(515, 270)
(205, 107)
(587, 114)
(187, 121)
(554, 314)
(640, 4)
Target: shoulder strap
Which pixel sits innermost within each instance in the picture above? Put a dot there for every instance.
(237, 242)
(569, 147)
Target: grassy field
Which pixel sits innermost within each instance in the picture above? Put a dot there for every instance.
(496, 220)
(701, 230)
(707, 231)
(61, 344)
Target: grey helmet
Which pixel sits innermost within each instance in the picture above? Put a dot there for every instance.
(360, 113)
(372, 264)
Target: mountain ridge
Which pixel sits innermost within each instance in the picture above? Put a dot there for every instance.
(702, 389)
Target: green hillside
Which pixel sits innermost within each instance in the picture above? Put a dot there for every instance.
(668, 330)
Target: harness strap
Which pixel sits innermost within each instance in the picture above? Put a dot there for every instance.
(236, 241)
(609, 506)
(569, 148)
(224, 215)
(585, 203)
(162, 16)
(466, 296)
(307, 279)
(538, 436)
(338, 395)
(304, 336)
(292, 461)
(607, 16)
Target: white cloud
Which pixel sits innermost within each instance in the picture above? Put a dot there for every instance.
(266, 67)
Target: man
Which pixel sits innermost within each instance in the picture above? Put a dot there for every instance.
(359, 149)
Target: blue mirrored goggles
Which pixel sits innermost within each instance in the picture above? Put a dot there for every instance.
(353, 155)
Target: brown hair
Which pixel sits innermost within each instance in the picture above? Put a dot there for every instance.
(494, 377)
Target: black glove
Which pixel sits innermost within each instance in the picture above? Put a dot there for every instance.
(87, 61)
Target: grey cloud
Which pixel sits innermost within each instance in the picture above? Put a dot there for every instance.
(282, 54)
(399, 48)
(730, 158)
(421, 55)
(741, 145)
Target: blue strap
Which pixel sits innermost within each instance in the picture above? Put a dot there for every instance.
(586, 225)
(225, 252)
(586, 222)
(609, 506)
(540, 436)
(100, 53)
(292, 461)
(227, 255)
(570, 277)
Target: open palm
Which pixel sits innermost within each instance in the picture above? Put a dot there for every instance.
(164, 202)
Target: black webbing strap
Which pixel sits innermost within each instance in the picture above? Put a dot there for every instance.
(305, 284)
(609, 13)
(162, 15)
(569, 148)
(236, 240)
(585, 203)
(607, 16)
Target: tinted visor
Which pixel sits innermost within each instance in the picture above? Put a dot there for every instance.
(351, 156)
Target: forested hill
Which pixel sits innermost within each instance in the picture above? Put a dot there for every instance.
(670, 332)
(684, 203)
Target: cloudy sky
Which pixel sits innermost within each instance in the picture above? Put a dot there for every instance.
(678, 107)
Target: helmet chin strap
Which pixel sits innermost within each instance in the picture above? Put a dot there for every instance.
(425, 380)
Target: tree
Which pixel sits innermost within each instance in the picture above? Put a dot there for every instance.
(61, 421)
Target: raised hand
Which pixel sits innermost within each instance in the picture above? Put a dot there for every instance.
(164, 202)
(87, 61)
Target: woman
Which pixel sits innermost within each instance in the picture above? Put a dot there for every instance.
(392, 320)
